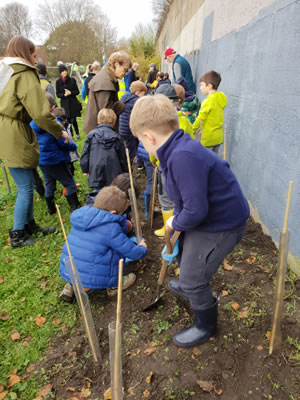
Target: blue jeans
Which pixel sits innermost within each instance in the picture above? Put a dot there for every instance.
(24, 180)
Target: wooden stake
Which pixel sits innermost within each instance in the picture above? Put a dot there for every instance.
(153, 193)
(224, 148)
(118, 334)
(5, 178)
(96, 360)
(275, 340)
(134, 202)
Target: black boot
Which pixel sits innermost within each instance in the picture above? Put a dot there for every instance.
(33, 228)
(73, 201)
(19, 238)
(51, 205)
(204, 328)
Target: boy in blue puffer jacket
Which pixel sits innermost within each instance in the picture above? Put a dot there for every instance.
(98, 241)
(54, 159)
(137, 89)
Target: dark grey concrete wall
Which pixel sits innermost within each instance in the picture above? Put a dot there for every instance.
(260, 68)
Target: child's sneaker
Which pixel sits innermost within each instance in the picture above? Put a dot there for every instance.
(128, 280)
(67, 293)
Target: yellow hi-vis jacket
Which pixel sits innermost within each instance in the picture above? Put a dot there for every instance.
(122, 88)
(211, 119)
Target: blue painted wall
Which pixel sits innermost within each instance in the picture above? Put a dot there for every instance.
(260, 68)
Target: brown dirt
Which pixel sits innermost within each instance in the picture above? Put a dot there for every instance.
(236, 362)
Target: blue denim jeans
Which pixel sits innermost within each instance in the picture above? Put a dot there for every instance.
(24, 180)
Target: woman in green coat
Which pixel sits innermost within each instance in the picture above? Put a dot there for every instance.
(21, 100)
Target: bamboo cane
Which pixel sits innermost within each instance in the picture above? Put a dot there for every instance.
(5, 178)
(153, 193)
(275, 339)
(224, 148)
(96, 360)
(134, 202)
(117, 334)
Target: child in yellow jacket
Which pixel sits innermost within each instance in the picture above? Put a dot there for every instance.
(211, 116)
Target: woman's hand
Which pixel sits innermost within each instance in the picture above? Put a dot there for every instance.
(67, 92)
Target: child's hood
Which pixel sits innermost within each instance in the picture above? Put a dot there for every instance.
(129, 97)
(106, 135)
(86, 218)
(221, 99)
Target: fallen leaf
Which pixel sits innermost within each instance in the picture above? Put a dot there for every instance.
(218, 391)
(2, 395)
(149, 377)
(196, 351)
(259, 347)
(268, 335)
(64, 328)
(235, 306)
(30, 368)
(138, 351)
(13, 379)
(146, 394)
(1, 388)
(23, 299)
(44, 276)
(4, 316)
(13, 373)
(131, 391)
(15, 335)
(56, 321)
(244, 312)
(44, 254)
(206, 386)
(85, 392)
(224, 293)
(107, 394)
(7, 260)
(1, 279)
(228, 267)
(150, 349)
(177, 271)
(45, 390)
(39, 320)
(70, 389)
(251, 260)
(287, 296)
(43, 284)
(38, 398)
(25, 344)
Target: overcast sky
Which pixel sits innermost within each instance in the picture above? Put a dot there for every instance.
(123, 14)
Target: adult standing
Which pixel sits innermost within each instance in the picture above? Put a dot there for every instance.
(43, 75)
(22, 100)
(131, 76)
(180, 68)
(104, 89)
(152, 73)
(67, 90)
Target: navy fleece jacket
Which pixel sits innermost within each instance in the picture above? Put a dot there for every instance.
(206, 193)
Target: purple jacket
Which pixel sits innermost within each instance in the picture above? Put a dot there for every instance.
(206, 193)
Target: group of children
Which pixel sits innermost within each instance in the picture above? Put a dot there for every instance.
(198, 193)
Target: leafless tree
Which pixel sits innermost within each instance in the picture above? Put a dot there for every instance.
(14, 20)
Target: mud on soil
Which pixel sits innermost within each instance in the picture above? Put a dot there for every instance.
(236, 363)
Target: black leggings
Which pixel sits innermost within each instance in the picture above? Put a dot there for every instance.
(73, 122)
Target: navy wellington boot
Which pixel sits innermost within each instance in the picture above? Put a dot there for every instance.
(205, 327)
(147, 205)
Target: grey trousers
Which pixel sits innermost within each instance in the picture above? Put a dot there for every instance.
(164, 200)
(200, 255)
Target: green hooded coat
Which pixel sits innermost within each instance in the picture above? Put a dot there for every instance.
(21, 100)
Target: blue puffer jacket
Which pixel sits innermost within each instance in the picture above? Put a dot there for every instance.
(97, 242)
(129, 99)
(142, 153)
(52, 151)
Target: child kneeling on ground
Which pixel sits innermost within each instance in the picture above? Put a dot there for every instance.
(98, 241)
(209, 208)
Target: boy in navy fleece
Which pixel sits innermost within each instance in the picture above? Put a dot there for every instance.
(210, 208)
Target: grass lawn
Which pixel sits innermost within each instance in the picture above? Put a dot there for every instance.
(29, 289)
